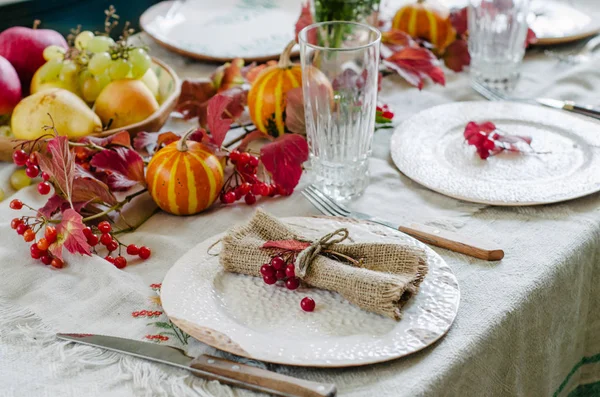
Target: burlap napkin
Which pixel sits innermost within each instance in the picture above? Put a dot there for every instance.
(388, 275)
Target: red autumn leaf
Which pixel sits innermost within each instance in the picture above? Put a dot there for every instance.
(283, 158)
(121, 138)
(228, 75)
(53, 205)
(60, 166)
(88, 189)
(70, 235)
(194, 97)
(531, 37)
(287, 245)
(294, 111)
(165, 138)
(396, 39)
(416, 64)
(488, 140)
(254, 135)
(303, 21)
(125, 165)
(457, 56)
(458, 19)
(255, 70)
(217, 124)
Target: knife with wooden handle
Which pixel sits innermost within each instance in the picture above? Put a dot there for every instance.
(209, 367)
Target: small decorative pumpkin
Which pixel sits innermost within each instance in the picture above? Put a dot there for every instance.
(184, 178)
(267, 97)
(426, 21)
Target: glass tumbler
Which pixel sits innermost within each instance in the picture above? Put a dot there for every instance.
(340, 62)
(497, 34)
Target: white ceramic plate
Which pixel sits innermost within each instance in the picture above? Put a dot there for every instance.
(242, 315)
(254, 30)
(557, 22)
(430, 149)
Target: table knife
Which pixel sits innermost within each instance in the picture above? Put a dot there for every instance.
(209, 367)
(570, 106)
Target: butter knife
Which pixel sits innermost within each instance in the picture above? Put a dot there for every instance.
(570, 106)
(209, 367)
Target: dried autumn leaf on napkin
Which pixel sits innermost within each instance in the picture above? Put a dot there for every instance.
(70, 235)
(60, 166)
(283, 158)
(287, 245)
(125, 166)
(456, 56)
(415, 64)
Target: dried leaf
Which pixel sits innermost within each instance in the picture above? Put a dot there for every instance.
(89, 189)
(488, 140)
(217, 124)
(53, 205)
(415, 65)
(303, 21)
(294, 112)
(194, 97)
(396, 39)
(287, 245)
(458, 19)
(60, 166)
(255, 70)
(457, 56)
(121, 138)
(252, 136)
(125, 165)
(166, 138)
(531, 38)
(70, 235)
(283, 158)
(228, 75)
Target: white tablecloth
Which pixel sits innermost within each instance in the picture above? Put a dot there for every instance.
(528, 325)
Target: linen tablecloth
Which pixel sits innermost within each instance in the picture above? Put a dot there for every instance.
(528, 325)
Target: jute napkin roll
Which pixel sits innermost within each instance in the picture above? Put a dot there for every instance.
(387, 276)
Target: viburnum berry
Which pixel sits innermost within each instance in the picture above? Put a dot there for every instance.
(133, 249)
(307, 304)
(87, 231)
(104, 227)
(250, 199)
(234, 156)
(45, 176)
(106, 239)
(93, 240)
(43, 188)
(32, 171)
(42, 244)
(15, 223)
(290, 271)
(57, 263)
(22, 228)
(145, 252)
(33, 159)
(245, 188)
(292, 283)
(46, 259)
(29, 235)
(228, 197)
(16, 204)
(278, 263)
(35, 251)
(280, 274)
(112, 246)
(244, 158)
(270, 279)
(110, 259)
(253, 161)
(120, 262)
(50, 234)
(267, 270)
(20, 157)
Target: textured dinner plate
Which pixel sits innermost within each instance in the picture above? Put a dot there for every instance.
(557, 22)
(255, 30)
(430, 149)
(242, 315)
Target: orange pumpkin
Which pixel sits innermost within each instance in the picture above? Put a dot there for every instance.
(184, 177)
(267, 97)
(426, 21)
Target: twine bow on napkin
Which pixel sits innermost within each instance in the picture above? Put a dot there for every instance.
(388, 275)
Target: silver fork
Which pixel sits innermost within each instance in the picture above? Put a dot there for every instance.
(492, 95)
(427, 234)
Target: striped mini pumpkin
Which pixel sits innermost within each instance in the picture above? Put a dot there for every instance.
(426, 22)
(184, 178)
(267, 97)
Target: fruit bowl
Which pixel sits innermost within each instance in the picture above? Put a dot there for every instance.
(169, 88)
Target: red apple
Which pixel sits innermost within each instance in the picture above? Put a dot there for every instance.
(10, 87)
(23, 47)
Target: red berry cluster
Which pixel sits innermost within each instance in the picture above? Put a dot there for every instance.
(157, 337)
(279, 269)
(32, 169)
(26, 226)
(244, 182)
(146, 313)
(383, 114)
(112, 244)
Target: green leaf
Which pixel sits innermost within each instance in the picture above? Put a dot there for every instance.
(162, 324)
(167, 333)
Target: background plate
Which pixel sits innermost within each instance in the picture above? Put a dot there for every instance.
(255, 30)
(242, 315)
(430, 149)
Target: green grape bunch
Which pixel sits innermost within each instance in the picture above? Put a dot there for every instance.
(93, 60)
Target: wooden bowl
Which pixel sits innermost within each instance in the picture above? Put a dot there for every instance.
(169, 88)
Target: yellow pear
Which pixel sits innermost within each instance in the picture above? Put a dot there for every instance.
(72, 117)
(125, 102)
(151, 80)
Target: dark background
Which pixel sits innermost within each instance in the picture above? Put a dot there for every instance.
(62, 15)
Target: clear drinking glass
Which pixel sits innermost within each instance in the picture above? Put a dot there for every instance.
(340, 62)
(497, 34)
